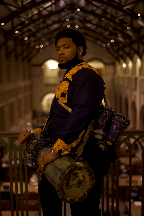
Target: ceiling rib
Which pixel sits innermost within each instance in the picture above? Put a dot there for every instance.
(101, 21)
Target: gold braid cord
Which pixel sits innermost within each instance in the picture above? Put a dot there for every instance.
(65, 106)
(85, 138)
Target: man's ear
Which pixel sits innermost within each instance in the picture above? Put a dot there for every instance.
(80, 50)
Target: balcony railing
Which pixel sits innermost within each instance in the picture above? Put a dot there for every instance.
(122, 187)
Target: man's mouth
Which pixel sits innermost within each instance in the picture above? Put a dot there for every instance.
(61, 59)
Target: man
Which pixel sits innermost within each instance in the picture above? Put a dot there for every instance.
(76, 103)
(82, 90)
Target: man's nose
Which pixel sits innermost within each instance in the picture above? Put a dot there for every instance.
(61, 51)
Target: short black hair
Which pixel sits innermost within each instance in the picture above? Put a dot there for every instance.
(76, 36)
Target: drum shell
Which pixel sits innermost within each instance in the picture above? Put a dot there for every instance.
(72, 180)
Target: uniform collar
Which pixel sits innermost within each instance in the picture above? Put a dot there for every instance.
(73, 65)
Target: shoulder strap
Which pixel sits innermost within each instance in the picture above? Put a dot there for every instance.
(86, 136)
(46, 125)
(107, 102)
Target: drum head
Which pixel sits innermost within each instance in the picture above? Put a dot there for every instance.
(77, 183)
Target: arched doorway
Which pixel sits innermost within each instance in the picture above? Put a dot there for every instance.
(47, 101)
(98, 65)
(50, 72)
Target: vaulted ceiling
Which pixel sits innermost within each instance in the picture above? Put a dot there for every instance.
(117, 26)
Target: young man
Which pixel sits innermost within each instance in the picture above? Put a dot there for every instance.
(82, 90)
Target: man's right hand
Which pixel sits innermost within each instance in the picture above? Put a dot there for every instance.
(22, 137)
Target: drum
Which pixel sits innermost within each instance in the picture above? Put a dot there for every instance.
(72, 180)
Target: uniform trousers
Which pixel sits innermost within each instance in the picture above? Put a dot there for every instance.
(52, 205)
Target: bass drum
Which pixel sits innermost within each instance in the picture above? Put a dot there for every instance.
(73, 181)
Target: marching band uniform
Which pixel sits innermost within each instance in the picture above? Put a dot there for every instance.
(77, 101)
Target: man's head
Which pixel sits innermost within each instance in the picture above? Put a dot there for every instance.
(70, 46)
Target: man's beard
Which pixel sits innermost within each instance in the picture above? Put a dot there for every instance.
(70, 63)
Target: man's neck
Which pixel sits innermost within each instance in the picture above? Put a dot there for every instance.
(70, 64)
(74, 63)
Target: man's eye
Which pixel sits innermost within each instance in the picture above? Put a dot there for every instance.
(57, 49)
(66, 47)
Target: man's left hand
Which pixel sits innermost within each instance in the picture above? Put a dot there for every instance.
(44, 160)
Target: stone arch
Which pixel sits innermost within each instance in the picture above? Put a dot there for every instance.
(117, 68)
(129, 66)
(122, 67)
(136, 65)
(98, 64)
(50, 72)
(133, 116)
(142, 66)
(47, 101)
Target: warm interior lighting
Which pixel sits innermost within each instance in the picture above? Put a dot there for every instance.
(76, 26)
(16, 32)
(130, 64)
(124, 65)
(52, 64)
(139, 62)
(2, 23)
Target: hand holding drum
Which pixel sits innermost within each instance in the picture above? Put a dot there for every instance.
(22, 137)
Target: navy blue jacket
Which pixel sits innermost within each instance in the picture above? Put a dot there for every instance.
(82, 90)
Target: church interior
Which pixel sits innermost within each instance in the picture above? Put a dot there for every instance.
(29, 77)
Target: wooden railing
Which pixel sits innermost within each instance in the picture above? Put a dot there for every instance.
(19, 194)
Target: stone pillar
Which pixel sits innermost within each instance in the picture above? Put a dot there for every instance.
(142, 66)
(134, 70)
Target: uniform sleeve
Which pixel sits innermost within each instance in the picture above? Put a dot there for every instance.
(88, 94)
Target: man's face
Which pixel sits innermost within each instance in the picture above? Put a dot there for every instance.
(66, 50)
